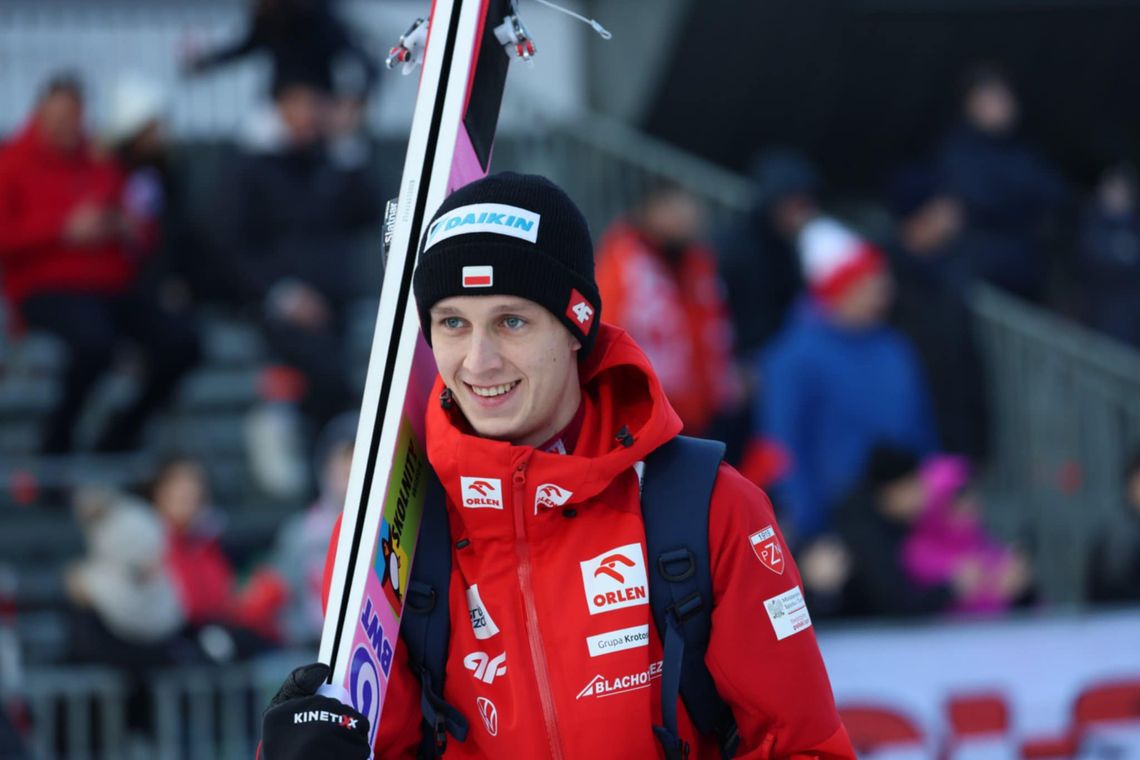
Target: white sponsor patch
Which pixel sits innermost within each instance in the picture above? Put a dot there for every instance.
(485, 667)
(788, 613)
(482, 493)
(481, 622)
(602, 686)
(549, 495)
(615, 579)
(478, 277)
(619, 640)
(498, 218)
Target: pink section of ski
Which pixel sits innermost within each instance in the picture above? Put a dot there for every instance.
(465, 167)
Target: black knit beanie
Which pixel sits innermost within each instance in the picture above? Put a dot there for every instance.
(512, 234)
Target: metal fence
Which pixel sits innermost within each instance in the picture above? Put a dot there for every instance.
(607, 166)
(1066, 419)
(1065, 400)
(199, 713)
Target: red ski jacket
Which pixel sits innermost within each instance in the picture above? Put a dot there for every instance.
(561, 658)
(39, 189)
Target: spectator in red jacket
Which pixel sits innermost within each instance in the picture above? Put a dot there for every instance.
(661, 284)
(68, 268)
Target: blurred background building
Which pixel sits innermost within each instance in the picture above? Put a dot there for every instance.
(888, 250)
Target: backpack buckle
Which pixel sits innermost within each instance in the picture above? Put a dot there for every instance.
(676, 565)
(686, 608)
(420, 598)
(439, 728)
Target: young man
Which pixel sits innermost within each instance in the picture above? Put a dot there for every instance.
(553, 411)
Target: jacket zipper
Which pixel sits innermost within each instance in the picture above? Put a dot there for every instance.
(534, 636)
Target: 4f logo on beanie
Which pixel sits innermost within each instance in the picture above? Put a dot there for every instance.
(579, 311)
(497, 218)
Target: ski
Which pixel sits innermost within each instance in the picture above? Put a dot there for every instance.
(465, 47)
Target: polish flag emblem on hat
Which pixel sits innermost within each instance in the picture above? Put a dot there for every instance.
(478, 277)
(834, 258)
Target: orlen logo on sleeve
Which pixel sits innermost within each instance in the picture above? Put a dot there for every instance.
(615, 579)
(549, 496)
(482, 493)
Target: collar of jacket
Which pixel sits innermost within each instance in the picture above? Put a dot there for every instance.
(622, 400)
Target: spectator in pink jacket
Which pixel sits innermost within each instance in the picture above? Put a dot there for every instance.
(949, 538)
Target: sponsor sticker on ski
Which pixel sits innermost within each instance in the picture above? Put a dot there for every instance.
(788, 613)
(766, 546)
(618, 641)
(497, 218)
(615, 579)
(481, 622)
(481, 493)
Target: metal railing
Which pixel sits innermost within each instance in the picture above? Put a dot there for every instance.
(1065, 400)
(607, 167)
(193, 713)
(1066, 418)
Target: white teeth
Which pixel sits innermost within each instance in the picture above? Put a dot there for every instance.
(492, 390)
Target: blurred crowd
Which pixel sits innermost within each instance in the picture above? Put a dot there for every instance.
(837, 356)
(837, 360)
(101, 249)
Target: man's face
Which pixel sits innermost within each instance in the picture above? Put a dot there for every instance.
(511, 365)
(61, 120)
(865, 303)
(674, 218)
(992, 108)
(302, 111)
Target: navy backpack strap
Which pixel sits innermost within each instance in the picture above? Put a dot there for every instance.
(426, 625)
(676, 492)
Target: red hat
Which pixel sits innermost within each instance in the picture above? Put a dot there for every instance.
(834, 258)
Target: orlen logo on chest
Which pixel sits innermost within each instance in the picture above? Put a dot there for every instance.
(615, 579)
(482, 493)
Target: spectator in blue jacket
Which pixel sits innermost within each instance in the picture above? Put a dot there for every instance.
(838, 380)
(1007, 188)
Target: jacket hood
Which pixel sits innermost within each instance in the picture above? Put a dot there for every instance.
(620, 393)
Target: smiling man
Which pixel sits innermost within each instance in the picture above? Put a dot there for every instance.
(544, 419)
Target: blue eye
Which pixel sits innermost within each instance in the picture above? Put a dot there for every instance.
(514, 323)
(451, 323)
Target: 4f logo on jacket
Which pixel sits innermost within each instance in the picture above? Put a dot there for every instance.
(615, 579)
(486, 668)
(482, 493)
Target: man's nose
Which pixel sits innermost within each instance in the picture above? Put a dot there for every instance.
(482, 354)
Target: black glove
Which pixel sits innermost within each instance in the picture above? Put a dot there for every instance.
(300, 724)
